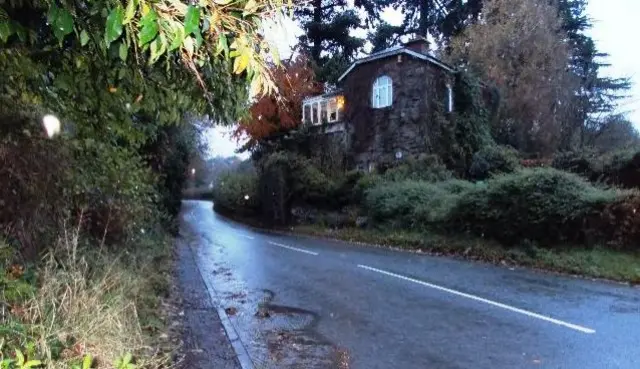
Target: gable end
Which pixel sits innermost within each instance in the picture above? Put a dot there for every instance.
(397, 51)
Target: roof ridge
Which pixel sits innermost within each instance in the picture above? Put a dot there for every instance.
(397, 50)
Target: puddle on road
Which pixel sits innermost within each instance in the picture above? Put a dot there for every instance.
(275, 336)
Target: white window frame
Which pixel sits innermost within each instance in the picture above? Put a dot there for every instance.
(382, 92)
(330, 106)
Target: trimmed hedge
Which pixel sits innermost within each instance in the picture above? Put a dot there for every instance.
(544, 205)
(428, 168)
(413, 204)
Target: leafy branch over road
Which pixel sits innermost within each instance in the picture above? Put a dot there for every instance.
(195, 33)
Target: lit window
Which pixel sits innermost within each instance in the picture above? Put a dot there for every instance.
(323, 111)
(382, 95)
(332, 110)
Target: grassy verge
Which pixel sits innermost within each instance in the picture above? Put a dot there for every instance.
(79, 304)
(594, 262)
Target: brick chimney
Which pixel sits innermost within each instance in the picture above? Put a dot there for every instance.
(419, 44)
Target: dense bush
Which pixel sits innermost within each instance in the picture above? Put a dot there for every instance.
(579, 162)
(619, 168)
(493, 160)
(619, 223)
(305, 182)
(343, 191)
(536, 204)
(34, 174)
(428, 168)
(364, 184)
(413, 204)
(114, 192)
(286, 179)
(237, 193)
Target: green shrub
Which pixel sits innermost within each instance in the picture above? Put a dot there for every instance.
(428, 168)
(619, 223)
(237, 193)
(493, 160)
(579, 162)
(619, 168)
(395, 202)
(343, 190)
(457, 186)
(413, 204)
(364, 184)
(537, 204)
(304, 181)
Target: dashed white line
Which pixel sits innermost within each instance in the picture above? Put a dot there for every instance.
(245, 236)
(293, 248)
(486, 301)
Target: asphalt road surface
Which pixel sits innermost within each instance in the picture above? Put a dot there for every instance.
(297, 302)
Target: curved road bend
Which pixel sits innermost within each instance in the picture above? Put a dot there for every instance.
(309, 303)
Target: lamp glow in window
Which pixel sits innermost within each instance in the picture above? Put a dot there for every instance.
(382, 94)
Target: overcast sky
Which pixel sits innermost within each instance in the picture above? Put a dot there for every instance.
(612, 32)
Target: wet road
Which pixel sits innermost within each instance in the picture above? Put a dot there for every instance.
(307, 303)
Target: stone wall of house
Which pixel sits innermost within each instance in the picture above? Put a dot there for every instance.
(377, 137)
(330, 149)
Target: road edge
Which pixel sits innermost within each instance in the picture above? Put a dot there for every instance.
(396, 248)
(242, 355)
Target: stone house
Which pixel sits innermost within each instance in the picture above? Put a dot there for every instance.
(383, 107)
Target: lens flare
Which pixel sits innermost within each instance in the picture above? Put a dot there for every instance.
(51, 125)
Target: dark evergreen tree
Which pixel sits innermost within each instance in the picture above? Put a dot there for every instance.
(327, 37)
(439, 18)
(596, 96)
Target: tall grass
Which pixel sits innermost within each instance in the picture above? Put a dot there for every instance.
(86, 302)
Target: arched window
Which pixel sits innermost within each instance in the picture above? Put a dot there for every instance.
(382, 95)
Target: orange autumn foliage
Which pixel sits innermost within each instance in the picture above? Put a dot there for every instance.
(271, 114)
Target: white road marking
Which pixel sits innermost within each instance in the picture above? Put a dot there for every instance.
(293, 248)
(486, 301)
(245, 236)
